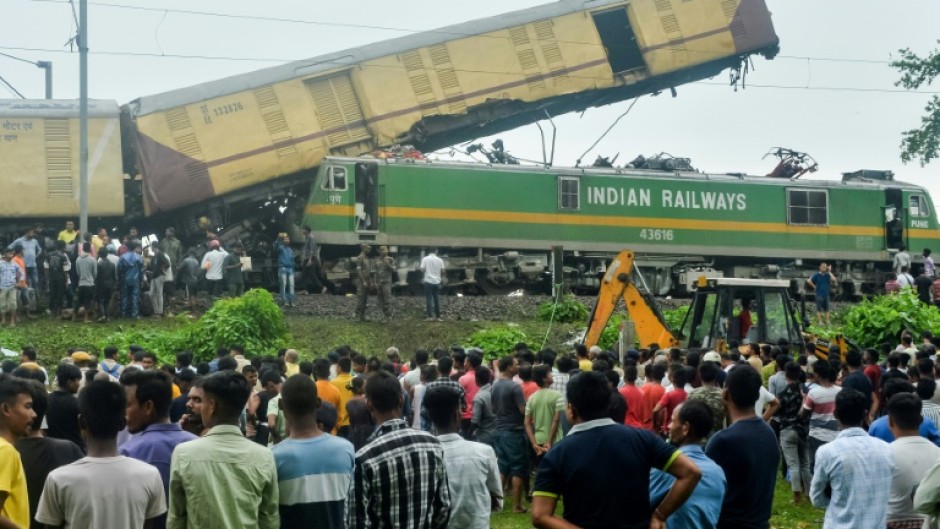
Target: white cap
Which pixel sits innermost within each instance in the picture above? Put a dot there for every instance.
(711, 356)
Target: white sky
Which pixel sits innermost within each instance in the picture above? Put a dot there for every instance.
(721, 130)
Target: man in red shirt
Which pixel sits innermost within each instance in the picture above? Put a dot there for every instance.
(639, 413)
(873, 371)
(469, 384)
(671, 400)
(744, 318)
(653, 389)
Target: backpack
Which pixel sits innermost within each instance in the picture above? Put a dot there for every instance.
(113, 371)
(56, 262)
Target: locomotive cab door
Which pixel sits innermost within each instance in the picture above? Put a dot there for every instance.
(894, 218)
(366, 210)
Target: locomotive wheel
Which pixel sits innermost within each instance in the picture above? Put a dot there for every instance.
(494, 288)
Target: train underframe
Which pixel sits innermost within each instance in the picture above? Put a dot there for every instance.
(501, 272)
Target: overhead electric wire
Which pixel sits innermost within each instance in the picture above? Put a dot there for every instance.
(11, 87)
(610, 128)
(490, 72)
(410, 31)
(15, 58)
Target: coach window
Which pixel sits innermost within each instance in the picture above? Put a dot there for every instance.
(917, 206)
(808, 206)
(335, 179)
(569, 196)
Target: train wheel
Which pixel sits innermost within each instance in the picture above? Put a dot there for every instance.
(494, 288)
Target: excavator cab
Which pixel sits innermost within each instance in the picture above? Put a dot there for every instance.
(723, 311)
(729, 310)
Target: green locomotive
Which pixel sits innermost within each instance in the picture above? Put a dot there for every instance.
(496, 224)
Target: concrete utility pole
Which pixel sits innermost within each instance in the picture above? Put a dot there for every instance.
(83, 115)
(47, 66)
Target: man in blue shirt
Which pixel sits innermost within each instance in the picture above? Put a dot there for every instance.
(879, 428)
(747, 452)
(130, 269)
(314, 468)
(852, 478)
(285, 269)
(691, 422)
(31, 250)
(149, 394)
(821, 283)
(601, 469)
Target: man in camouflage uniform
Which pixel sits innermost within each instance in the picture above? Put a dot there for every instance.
(384, 273)
(365, 279)
(709, 392)
(173, 250)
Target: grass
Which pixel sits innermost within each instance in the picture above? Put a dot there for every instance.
(313, 337)
(784, 514)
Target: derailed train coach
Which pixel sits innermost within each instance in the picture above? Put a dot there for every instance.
(237, 155)
(496, 224)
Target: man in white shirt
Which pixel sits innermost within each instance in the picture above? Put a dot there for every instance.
(472, 472)
(913, 457)
(104, 489)
(902, 260)
(433, 268)
(905, 279)
(213, 263)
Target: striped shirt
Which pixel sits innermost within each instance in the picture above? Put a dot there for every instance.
(313, 477)
(822, 402)
(400, 481)
(930, 410)
(448, 383)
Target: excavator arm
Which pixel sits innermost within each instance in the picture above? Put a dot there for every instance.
(650, 327)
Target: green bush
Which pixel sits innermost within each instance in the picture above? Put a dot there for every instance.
(675, 317)
(253, 320)
(883, 318)
(496, 342)
(567, 310)
(611, 333)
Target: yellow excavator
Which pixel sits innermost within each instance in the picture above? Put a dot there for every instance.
(766, 312)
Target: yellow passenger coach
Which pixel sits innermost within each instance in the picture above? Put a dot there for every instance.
(39, 159)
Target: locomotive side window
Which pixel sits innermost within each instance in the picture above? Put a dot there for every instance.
(917, 206)
(569, 196)
(807, 206)
(335, 179)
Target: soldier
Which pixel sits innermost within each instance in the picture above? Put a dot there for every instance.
(173, 249)
(384, 272)
(365, 275)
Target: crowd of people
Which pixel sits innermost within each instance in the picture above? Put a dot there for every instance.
(660, 438)
(93, 277)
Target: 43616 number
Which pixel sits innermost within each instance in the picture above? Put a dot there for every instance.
(648, 234)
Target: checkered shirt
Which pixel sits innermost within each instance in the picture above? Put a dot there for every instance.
(399, 482)
(858, 469)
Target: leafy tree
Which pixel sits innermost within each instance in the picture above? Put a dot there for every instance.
(921, 144)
